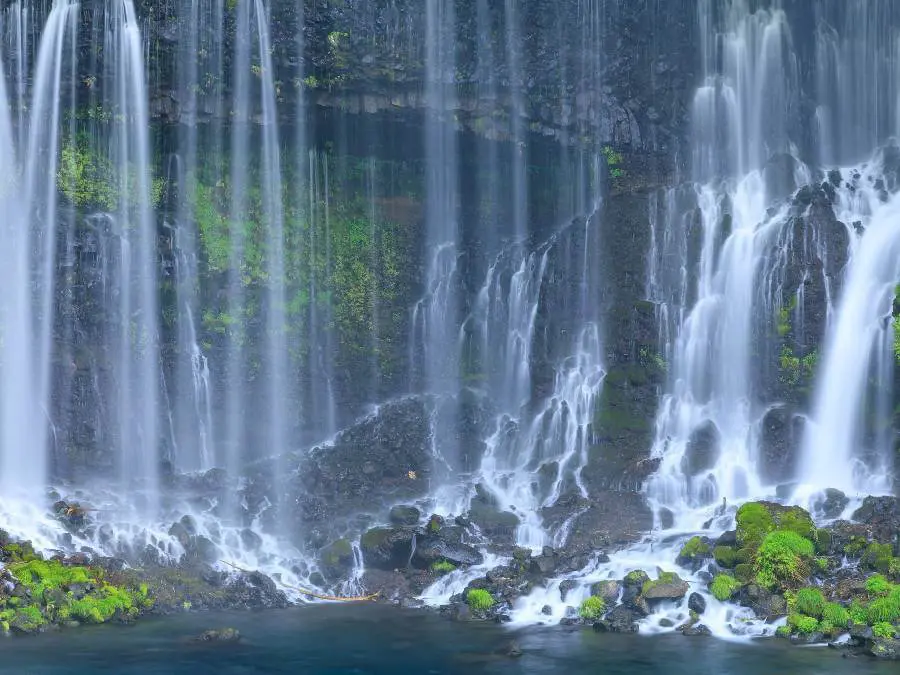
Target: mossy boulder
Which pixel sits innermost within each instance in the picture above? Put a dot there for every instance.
(336, 560)
(695, 549)
(757, 519)
(668, 586)
(386, 548)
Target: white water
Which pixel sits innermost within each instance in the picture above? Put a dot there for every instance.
(837, 452)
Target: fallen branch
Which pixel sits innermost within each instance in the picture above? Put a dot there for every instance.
(312, 594)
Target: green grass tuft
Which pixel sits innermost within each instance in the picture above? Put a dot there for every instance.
(592, 608)
(479, 599)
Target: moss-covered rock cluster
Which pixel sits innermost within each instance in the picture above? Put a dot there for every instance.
(40, 592)
(777, 562)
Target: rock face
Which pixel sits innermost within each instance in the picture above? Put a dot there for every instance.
(383, 459)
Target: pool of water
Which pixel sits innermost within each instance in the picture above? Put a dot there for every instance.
(376, 640)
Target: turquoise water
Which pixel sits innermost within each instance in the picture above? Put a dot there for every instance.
(373, 640)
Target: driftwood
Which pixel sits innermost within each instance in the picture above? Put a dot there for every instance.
(312, 594)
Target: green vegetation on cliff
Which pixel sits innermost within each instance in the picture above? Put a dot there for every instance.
(53, 591)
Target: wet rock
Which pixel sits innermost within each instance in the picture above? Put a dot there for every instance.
(221, 635)
(884, 648)
(608, 520)
(200, 548)
(431, 549)
(831, 503)
(404, 515)
(543, 565)
(666, 623)
(702, 450)
(250, 540)
(763, 602)
(546, 610)
(666, 518)
(387, 548)
(497, 525)
(882, 515)
(696, 629)
(564, 587)
(336, 560)
(608, 590)
(669, 586)
(696, 603)
(621, 620)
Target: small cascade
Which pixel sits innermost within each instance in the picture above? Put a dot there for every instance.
(840, 449)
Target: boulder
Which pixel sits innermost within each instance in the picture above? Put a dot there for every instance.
(831, 503)
(882, 515)
(404, 515)
(702, 451)
(608, 590)
(336, 560)
(668, 586)
(387, 548)
(696, 603)
(432, 548)
(621, 620)
(218, 635)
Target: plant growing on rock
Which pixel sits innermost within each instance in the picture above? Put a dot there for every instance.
(803, 624)
(783, 559)
(693, 548)
(592, 608)
(836, 614)
(883, 629)
(442, 567)
(878, 585)
(810, 601)
(723, 587)
(479, 599)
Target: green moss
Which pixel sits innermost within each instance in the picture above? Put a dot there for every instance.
(479, 599)
(693, 548)
(796, 370)
(724, 586)
(743, 572)
(613, 162)
(896, 327)
(28, 618)
(664, 579)
(803, 624)
(50, 585)
(753, 523)
(810, 601)
(883, 629)
(442, 567)
(783, 559)
(592, 608)
(636, 577)
(783, 631)
(855, 546)
(878, 585)
(878, 557)
(836, 614)
(725, 556)
(39, 575)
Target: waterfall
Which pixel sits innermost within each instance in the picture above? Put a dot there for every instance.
(712, 391)
(840, 449)
(27, 258)
(435, 321)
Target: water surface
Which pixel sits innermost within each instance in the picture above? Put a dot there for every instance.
(375, 640)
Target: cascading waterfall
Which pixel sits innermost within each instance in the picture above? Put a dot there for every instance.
(137, 342)
(735, 130)
(26, 312)
(838, 451)
(435, 318)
